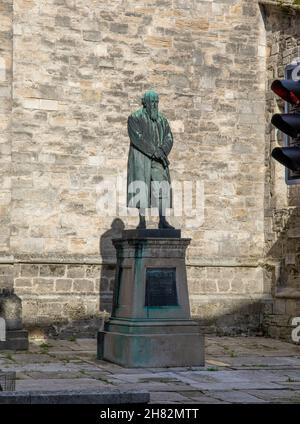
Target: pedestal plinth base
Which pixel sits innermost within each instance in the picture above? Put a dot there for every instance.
(151, 323)
(15, 340)
(152, 344)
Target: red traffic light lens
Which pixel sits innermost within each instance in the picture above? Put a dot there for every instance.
(287, 90)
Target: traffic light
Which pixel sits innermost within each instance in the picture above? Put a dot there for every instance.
(288, 123)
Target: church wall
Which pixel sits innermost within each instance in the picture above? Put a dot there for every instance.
(282, 213)
(6, 265)
(79, 69)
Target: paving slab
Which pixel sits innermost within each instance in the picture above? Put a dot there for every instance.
(237, 376)
(211, 386)
(74, 397)
(291, 385)
(236, 396)
(282, 396)
(50, 367)
(168, 397)
(204, 398)
(261, 361)
(29, 358)
(237, 370)
(55, 384)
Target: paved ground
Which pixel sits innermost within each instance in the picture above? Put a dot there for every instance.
(238, 370)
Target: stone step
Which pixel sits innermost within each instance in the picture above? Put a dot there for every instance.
(15, 340)
(75, 397)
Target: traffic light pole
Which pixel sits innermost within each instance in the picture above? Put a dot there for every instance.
(289, 122)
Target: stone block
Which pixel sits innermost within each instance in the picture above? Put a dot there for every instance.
(177, 126)
(29, 270)
(83, 285)
(43, 104)
(92, 35)
(43, 285)
(119, 28)
(2, 70)
(79, 397)
(14, 398)
(6, 270)
(101, 50)
(92, 271)
(52, 270)
(63, 21)
(63, 285)
(223, 286)
(15, 340)
(6, 282)
(23, 282)
(280, 306)
(75, 271)
(158, 42)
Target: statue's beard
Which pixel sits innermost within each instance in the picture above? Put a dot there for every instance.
(153, 113)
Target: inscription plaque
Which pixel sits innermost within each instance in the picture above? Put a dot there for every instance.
(161, 287)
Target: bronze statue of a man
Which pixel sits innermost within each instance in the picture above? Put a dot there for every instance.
(148, 177)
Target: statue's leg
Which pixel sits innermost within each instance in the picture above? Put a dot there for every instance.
(142, 221)
(163, 223)
(160, 191)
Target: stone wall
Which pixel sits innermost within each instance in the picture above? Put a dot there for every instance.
(6, 265)
(79, 69)
(5, 120)
(282, 215)
(58, 294)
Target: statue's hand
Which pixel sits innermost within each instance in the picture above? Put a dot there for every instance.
(164, 158)
(160, 156)
(166, 162)
(156, 155)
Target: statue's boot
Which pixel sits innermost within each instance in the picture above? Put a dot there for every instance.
(142, 223)
(163, 224)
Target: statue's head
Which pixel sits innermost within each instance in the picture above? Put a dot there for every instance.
(150, 102)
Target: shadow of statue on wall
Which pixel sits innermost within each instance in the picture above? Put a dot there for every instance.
(283, 253)
(108, 259)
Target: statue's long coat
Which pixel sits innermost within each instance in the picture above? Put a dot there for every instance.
(145, 136)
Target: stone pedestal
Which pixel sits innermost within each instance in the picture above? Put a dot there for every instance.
(150, 324)
(16, 338)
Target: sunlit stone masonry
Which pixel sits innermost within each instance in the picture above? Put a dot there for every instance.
(71, 71)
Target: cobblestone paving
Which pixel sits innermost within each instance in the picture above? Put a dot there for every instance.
(237, 370)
